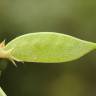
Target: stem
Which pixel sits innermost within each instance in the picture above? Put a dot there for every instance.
(2, 92)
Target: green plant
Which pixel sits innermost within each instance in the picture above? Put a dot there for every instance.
(45, 47)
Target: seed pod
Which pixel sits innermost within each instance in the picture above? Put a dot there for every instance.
(47, 47)
(2, 92)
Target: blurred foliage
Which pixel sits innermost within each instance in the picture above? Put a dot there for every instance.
(73, 17)
(3, 65)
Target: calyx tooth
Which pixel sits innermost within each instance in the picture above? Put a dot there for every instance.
(2, 44)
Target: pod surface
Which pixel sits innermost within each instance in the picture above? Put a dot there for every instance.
(48, 47)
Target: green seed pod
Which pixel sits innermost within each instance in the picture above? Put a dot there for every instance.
(2, 92)
(47, 47)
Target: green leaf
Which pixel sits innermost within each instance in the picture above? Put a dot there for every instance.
(48, 47)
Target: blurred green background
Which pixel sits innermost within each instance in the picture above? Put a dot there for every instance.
(73, 17)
